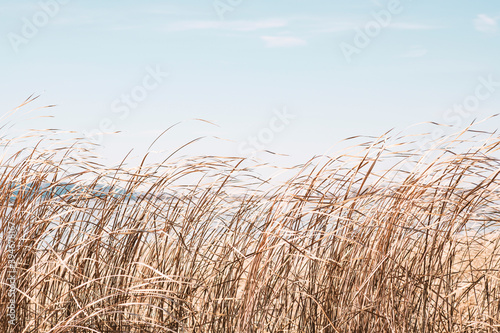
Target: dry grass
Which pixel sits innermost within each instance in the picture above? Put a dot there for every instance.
(341, 246)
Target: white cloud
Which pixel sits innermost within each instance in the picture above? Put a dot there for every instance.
(485, 23)
(227, 25)
(412, 26)
(343, 25)
(415, 51)
(335, 26)
(282, 41)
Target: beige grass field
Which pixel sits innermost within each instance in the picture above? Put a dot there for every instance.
(348, 243)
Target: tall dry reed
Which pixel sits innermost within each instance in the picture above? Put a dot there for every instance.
(350, 243)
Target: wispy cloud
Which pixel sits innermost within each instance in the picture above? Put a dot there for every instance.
(335, 26)
(228, 25)
(118, 24)
(413, 26)
(416, 51)
(283, 41)
(342, 25)
(486, 24)
(19, 6)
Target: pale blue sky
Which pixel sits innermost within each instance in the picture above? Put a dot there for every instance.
(236, 69)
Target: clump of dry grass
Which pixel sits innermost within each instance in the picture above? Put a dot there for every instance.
(348, 244)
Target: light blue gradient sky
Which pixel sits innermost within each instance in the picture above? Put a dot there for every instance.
(264, 55)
